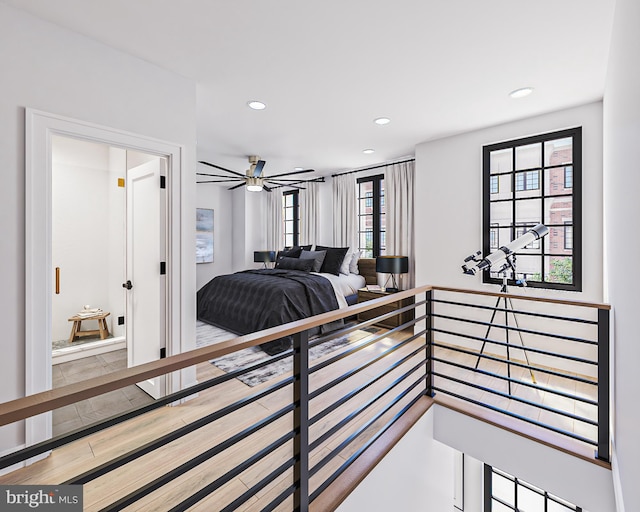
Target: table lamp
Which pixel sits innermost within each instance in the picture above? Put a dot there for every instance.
(264, 257)
(392, 265)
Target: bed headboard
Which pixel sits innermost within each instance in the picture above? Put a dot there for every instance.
(367, 269)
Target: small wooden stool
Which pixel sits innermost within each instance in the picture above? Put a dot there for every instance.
(102, 330)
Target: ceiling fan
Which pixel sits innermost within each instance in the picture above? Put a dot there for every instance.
(254, 179)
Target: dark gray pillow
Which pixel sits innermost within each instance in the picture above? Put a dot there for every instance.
(292, 252)
(294, 264)
(316, 256)
(333, 259)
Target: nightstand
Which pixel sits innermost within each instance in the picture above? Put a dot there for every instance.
(391, 322)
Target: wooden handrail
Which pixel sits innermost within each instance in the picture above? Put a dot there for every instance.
(525, 297)
(21, 408)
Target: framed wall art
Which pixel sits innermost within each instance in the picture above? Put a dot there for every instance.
(204, 235)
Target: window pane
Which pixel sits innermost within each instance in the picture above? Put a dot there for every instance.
(288, 240)
(503, 488)
(558, 269)
(529, 500)
(288, 199)
(366, 187)
(496, 506)
(529, 157)
(558, 152)
(501, 161)
(558, 210)
(288, 227)
(552, 506)
(383, 222)
(528, 211)
(501, 213)
(288, 214)
(558, 181)
(528, 184)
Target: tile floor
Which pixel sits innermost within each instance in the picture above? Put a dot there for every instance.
(89, 411)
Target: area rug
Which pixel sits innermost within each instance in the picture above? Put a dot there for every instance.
(253, 355)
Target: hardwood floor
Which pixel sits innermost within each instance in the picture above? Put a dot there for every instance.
(87, 453)
(82, 455)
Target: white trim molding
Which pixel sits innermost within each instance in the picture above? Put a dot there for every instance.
(40, 127)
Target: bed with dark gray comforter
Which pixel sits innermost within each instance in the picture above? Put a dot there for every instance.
(254, 300)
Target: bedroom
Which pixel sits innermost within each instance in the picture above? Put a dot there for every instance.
(77, 80)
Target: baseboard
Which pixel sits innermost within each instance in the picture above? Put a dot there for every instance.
(95, 348)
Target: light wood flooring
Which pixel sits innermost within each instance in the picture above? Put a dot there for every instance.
(84, 454)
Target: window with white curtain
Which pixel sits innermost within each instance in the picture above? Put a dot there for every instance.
(291, 218)
(371, 216)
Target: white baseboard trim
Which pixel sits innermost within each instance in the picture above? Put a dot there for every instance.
(94, 348)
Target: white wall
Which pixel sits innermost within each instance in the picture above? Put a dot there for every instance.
(220, 200)
(448, 199)
(80, 239)
(583, 483)
(622, 222)
(48, 68)
(416, 475)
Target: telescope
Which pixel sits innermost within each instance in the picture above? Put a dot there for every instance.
(501, 259)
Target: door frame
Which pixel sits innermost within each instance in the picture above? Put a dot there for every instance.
(39, 128)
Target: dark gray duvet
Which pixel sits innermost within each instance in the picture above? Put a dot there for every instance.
(253, 300)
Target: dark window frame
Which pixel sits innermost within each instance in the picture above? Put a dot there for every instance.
(377, 204)
(296, 216)
(489, 498)
(575, 192)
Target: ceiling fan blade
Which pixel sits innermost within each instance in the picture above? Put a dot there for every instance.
(238, 186)
(217, 181)
(268, 189)
(221, 168)
(217, 175)
(257, 170)
(290, 173)
(280, 185)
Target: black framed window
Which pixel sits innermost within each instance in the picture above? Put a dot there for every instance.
(504, 492)
(539, 181)
(291, 218)
(371, 216)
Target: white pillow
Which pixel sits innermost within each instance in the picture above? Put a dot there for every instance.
(346, 262)
(353, 265)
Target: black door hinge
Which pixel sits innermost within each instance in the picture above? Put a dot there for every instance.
(163, 268)
(163, 182)
(163, 353)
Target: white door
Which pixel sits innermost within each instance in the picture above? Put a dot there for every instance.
(144, 282)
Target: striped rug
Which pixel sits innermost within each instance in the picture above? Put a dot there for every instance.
(208, 334)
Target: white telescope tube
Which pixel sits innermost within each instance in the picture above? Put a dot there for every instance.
(498, 257)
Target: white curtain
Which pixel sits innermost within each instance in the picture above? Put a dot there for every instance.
(309, 214)
(275, 239)
(399, 183)
(345, 211)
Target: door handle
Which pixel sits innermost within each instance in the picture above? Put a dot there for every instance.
(127, 285)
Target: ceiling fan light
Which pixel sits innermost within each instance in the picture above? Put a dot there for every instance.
(254, 184)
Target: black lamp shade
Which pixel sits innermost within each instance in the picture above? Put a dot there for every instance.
(264, 256)
(392, 264)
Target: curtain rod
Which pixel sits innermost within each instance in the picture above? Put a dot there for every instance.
(374, 167)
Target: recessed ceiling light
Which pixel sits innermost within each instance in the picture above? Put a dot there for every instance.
(521, 93)
(368, 151)
(256, 105)
(382, 120)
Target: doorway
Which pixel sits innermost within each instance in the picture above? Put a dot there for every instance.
(41, 128)
(108, 224)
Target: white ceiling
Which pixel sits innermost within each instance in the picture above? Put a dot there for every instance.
(327, 69)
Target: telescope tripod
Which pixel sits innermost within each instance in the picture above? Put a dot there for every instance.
(508, 307)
